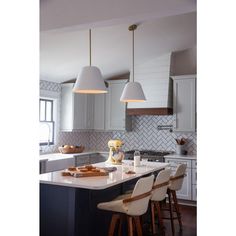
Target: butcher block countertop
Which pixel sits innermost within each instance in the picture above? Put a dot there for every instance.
(102, 182)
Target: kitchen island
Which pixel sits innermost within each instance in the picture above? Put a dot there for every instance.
(68, 205)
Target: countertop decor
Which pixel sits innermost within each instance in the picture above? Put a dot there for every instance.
(65, 149)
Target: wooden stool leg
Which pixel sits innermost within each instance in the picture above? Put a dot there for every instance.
(177, 209)
(130, 225)
(120, 225)
(153, 217)
(138, 225)
(171, 213)
(159, 215)
(114, 220)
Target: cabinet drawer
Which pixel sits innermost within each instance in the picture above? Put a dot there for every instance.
(59, 164)
(175, 163)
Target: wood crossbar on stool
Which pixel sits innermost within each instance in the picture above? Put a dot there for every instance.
(177, 177)
(160, 185)
(138, 197)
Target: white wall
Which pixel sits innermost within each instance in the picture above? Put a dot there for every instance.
(184, 62)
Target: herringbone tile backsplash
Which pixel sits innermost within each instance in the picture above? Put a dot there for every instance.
(144, 135)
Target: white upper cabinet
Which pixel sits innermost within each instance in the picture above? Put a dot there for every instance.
(99, 111)
(76, 109)
(185, 103)
(116, 118)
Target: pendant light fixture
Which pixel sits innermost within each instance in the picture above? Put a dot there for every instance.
(133, 91)
(90, 80)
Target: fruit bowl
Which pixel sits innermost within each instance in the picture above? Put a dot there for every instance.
(65, 149)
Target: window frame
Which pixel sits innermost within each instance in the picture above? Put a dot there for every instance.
(45, 119)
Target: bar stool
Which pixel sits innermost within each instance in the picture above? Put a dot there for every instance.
(176, 182)
(159, 194)
(130, 206)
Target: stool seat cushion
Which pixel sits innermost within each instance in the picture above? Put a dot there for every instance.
(116, 206)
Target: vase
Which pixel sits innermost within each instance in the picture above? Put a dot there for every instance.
(180, 149)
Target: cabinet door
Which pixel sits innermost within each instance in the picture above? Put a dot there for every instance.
(115, 110)
(90, 112)
(184, 104)
(95, 158)
(194, 192)
(59, 164)
(80, 111)
(185, 191)
(194, 176)
(82, 160)
(99, 112)
(67, 112)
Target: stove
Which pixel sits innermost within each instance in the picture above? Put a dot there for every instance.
(150, 155)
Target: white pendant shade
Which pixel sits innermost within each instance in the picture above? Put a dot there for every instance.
(133, 92)
(90, 81)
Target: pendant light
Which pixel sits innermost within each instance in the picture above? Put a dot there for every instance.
(90, 80)
(133, 91)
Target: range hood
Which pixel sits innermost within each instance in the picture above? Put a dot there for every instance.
(154, 75)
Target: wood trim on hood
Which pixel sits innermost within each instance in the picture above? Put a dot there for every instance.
(149, 111)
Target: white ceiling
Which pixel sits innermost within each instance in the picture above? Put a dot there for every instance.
(64, 41)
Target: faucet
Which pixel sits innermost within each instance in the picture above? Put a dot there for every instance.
(40, 150)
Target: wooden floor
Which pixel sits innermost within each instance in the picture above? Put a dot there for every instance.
(189, 219)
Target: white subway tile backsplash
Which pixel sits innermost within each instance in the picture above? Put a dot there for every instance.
(144, 135)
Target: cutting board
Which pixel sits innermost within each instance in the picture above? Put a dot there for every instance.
(89, 173)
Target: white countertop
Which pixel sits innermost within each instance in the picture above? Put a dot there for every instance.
(103, 182)
(60, 156)
(184, 157)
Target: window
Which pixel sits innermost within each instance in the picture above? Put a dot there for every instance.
(46, 122)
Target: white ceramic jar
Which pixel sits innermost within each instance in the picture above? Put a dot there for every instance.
(136, 158)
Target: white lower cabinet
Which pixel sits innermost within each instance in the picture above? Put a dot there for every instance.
(186, 190)
(95, 158)
(90, 159)
(59, 164)
(194, 192)
(82, 160)
(194, 180)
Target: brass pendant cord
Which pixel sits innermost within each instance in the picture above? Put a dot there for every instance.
(132, 28)
(90, 54)
(133, 55)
